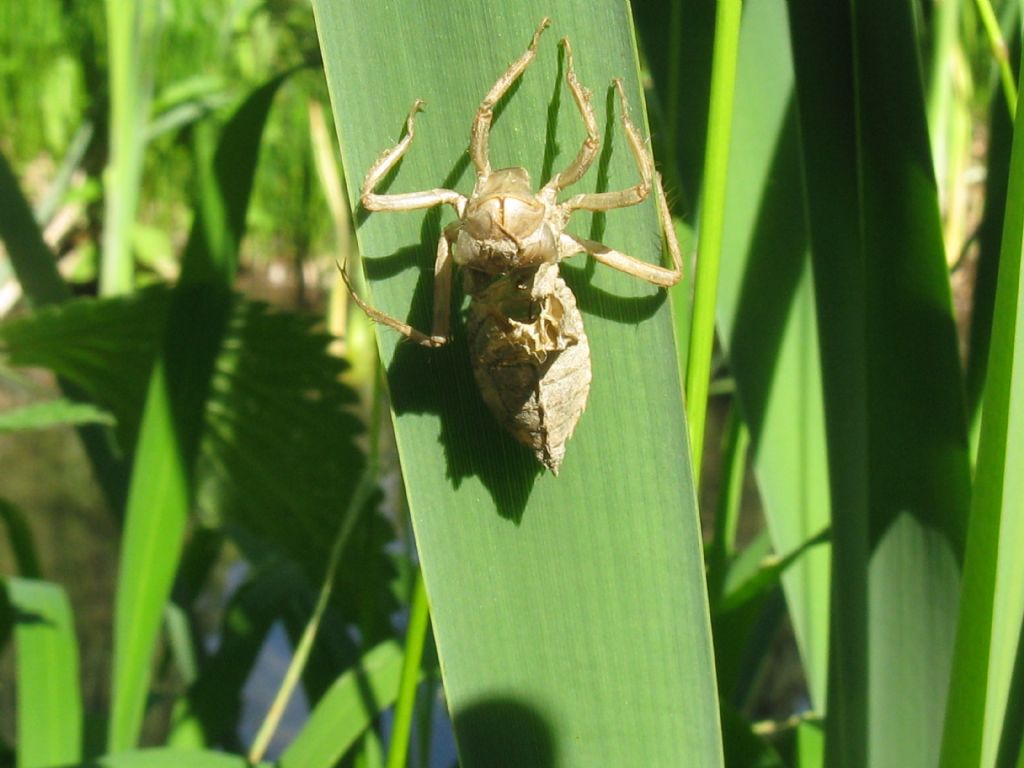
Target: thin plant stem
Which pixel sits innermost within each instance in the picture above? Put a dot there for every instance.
(302, 651)
(357, 503)
(710, 223)
(334, 193)
(1000, 52)
(415, 637)
(940, 91)
(132, 32)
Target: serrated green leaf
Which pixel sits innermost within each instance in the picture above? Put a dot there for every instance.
(278, 456)
(49, 704)
(282, 476)
(104, 347)
(570, 613)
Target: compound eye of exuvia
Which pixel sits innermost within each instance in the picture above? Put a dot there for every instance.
(479, 220)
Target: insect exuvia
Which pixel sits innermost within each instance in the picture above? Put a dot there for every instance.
(530, 354)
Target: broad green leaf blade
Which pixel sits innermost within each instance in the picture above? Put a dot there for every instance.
(49, 703)
(161, 488)
(766, 314)
(893, 398)
(570, 612)
(106, 348)
(989, 643)
(347, 709)
(53, 413)
(767, 323)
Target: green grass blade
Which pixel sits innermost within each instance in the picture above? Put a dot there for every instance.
(19, 535)
(894, 405)
(1000, 52)
(570, 613)
(360, 496)
(766, 314)
(132, 33)
(45, 209)
(767, 324)
(347, 709)
(415, 637)
(161, 489)
(810, 745)
(49, 703)
(746, 583)
(712, 220)
(989, 636)
(33, 261)
(990, 234)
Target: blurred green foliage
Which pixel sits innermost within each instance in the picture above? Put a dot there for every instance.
(53, 80)
(837, 107)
